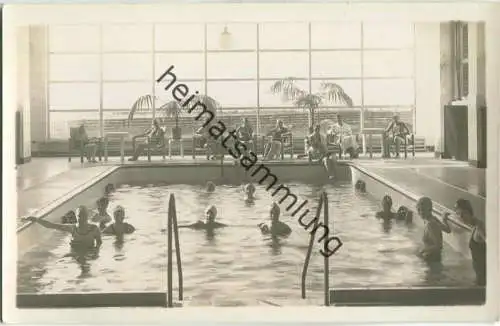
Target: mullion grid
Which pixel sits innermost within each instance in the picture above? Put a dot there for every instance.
(258, 79)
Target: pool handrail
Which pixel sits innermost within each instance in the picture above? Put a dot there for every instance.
(437, 209)
(172, 226)
(323, 204)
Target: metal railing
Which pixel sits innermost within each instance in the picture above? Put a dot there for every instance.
(322, 205)
(173, 229)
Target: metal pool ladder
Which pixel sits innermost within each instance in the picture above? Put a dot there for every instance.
(323, 204)
(172, 227)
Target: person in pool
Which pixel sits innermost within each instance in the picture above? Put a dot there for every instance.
(118, 227)
(386, 213)
(210, 186)
(109, 189)
(209, 223)
(85, 236)
(433, 232)
(249, 190)
(69, 218)
(101, 217)
(477, 240)
(276, 227)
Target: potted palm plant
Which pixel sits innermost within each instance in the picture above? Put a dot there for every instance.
(171, 109)
(311, 102)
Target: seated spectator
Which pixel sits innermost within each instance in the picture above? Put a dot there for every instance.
(69, 218)
(396, 133)
(205, 140)
(89, 144)
(342, 134)
(272, 149)
(154, 134)
(245, 134)
(315, 145)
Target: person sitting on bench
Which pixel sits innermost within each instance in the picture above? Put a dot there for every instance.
(343, 134)
(154, 136)
(396, 133)
(206, 140)
(273, 148)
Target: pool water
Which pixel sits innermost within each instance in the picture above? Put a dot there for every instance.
(237, 265)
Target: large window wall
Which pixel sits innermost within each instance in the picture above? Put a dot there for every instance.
(96, 72)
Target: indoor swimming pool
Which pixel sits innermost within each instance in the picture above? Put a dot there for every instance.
(237, 265)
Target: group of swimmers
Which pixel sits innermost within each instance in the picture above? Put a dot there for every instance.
(274, 228)
(432, 240)
(86, 228)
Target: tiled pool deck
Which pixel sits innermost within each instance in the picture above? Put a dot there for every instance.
(44, 180)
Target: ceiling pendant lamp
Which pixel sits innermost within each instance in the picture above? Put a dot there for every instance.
(225, 39)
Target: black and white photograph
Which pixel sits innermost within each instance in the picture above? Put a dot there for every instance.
(182, 156)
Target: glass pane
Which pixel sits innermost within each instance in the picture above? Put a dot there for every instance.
(234, 94)
(118, 121)
(232, 65)
(74, 96)
(335, 35)
(60, 122)
(388, 35)
(293, 118)
(123, 95)
(163, 96)
(268, 99)
(242, 36)
(336, 64)
(76, 38)
(284, 64)
(74, 67)
(178, 37)
(125, 37)
(284, 36)
(351, 87)
(388, 63)
(186, 65)
(380, 117)
(127, 67)
(389, 92)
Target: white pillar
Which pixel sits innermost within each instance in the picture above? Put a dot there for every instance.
(23, 89)
(38, 83)
(473, 89)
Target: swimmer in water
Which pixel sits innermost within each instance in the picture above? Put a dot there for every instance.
(249, 190)
(69, 218)
(386, 214)
(276, 227)
(109, 189)
(85, 236)
(209, 224)
(210, 186)
(101, 217)
(433, 232)
(118, 227)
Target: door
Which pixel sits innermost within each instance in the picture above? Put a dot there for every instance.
(456, 137)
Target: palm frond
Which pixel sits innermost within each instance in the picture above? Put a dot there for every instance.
(211, 104)
(336, 94)
(288, 90)
(143, 104)
(171, 109)
(309, 101)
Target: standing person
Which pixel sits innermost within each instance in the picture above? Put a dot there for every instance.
(85, 236)
(244, 133)
(477, 241)
(433, 232)
(396, 133)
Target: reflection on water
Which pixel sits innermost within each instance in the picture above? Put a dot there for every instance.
(236, 264)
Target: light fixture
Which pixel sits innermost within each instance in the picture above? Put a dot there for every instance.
(225, 39)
